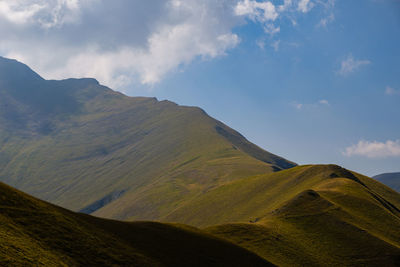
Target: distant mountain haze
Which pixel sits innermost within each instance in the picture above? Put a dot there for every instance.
(84, 146)
(390, 179)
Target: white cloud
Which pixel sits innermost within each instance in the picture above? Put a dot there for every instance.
(374, 149)
(45, 13)
(12, 12)
(324, 102)
(305, 6)
(391, 91)
(182, 32)
(286, 5)
(120, 42)
(267, 13)
(257, 11)
(349, 65)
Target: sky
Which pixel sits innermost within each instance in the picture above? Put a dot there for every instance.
(315, 81)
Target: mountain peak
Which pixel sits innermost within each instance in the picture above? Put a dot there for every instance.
(123, 143)
(15, 72)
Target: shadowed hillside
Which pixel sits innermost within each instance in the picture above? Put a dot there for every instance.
(37, 233)
(83, 146)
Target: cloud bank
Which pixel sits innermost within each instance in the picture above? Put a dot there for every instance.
(374, 149)
(124, 41)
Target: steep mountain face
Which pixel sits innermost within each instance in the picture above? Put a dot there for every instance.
(33, 232)
(390, 179)
(85, 147)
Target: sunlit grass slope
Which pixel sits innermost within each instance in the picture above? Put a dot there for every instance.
(85, 147)
(320, 215)
(35, 233)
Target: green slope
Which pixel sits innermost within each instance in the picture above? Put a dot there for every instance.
(33, 232)
(316, 215)
(390, 179)
(85, 147)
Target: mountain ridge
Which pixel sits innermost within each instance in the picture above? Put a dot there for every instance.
(320, 215)
(88, 148)
(74, 142)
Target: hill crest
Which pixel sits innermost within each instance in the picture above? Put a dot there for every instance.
(75, 142)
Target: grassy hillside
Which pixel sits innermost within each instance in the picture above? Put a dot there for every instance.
(249, 199)
(88, 148)
(317, 215)
(390, 179)
(37, 233)
(85, 147)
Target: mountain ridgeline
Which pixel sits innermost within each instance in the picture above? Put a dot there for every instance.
(88, 148)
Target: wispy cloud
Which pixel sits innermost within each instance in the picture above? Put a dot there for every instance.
(320, 103)
(267, 13)
(286, 5)
(391, 91)
(328, 7)
(276, 45)
(261, 43)
(305, 6)
(325, 21)
(374, 149)
(324, 102)
(350, 65)
(298, 105)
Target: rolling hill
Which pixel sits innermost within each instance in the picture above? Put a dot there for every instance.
(390, 179)
(342, 219)
(37, 233)
(87, 148)
(316, 215)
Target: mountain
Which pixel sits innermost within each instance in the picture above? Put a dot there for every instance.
(315, 215)
(37, 233)
(87, 148)
(390, 179)
(90, 149)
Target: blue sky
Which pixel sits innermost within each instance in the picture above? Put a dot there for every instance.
(324, 88)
